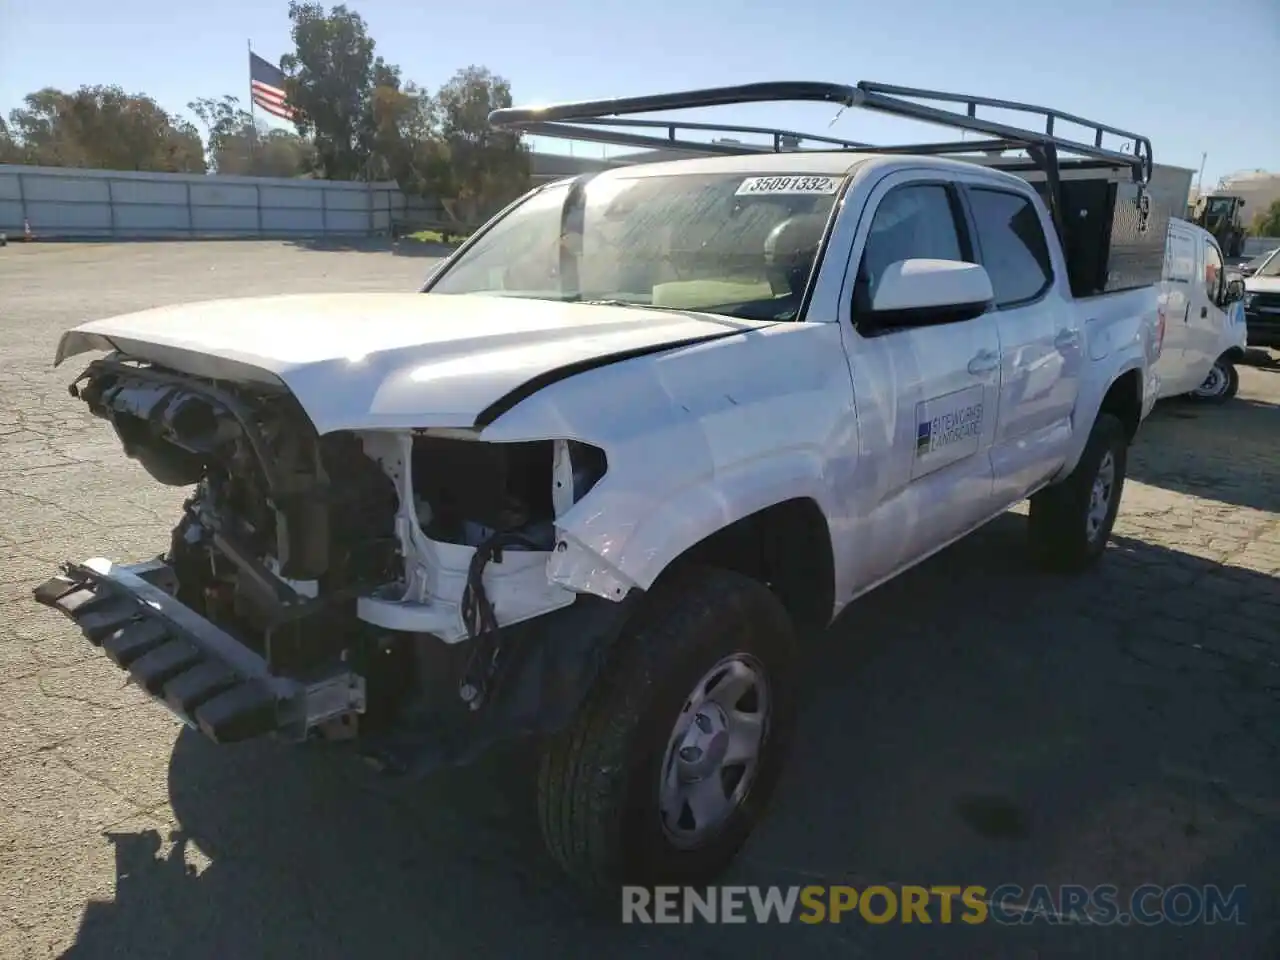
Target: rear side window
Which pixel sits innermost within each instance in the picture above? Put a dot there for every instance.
(1212, 270)
(1180, 258)
(1014, 250)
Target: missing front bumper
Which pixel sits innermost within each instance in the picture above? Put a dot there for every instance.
(200, 673)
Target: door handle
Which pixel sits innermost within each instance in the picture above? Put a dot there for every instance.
(1066, 339)
(984, 362)
(1204, 312)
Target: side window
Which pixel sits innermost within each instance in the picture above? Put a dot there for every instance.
(1212, 271)
(1014, 249)
(1180, 258)
(911, 222)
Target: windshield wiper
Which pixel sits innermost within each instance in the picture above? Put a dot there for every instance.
(619, 303)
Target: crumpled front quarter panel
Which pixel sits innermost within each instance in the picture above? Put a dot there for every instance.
(695, 438)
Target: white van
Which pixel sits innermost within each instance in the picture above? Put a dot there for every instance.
(1205, 334)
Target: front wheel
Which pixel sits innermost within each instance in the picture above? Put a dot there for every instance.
(1221, 384)
(671, 762)
(1071, 520)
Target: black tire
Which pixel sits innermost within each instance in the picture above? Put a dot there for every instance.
(1227, 387)
(1058, 527)
(1233, 381)
(598, 781)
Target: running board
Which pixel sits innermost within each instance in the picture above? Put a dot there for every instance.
(205, 677)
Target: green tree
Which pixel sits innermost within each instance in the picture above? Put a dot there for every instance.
(223, 120)
(103, 127)
(366, 122)
(10, 152)
(487, 168)
(404, 143)
(238, 146)
(332, 75)
(1267, 223)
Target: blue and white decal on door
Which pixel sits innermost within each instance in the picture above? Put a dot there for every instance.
(948, 429)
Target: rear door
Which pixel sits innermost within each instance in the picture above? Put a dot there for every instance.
(1178, 291)
(926, 396)
(1208, 320)
(1041, 342)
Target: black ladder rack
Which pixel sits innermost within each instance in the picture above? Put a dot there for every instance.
(587, 120)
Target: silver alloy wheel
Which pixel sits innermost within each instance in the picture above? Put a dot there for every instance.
(1215, 384)
(714, 750)
(1104, 482)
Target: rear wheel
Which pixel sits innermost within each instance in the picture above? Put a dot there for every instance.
(674, 756)
(1221, 384)
(1071, 520)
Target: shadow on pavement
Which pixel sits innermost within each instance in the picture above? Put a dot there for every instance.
(971, 722)
(400, 247)
(1260, 358)
(1229, 453)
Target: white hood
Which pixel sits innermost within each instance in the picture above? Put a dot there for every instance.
(390, 360)
(1262, 284)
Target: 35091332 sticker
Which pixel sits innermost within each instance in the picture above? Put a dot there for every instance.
(819, 186)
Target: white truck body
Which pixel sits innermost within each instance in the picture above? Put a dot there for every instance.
(631, 446)
(702, 435)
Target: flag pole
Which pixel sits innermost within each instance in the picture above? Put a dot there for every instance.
(253, 118)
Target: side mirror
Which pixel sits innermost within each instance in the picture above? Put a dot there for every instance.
(1234, 291)
(921, 293)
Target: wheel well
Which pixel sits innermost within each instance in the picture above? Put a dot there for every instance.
(786, 546)
(1124, 401)
(1233, 355)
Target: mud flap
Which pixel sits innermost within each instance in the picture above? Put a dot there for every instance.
(204, 676)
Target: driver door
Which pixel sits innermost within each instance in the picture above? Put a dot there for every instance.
(927, 395)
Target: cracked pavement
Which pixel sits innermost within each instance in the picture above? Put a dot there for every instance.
(973, 722)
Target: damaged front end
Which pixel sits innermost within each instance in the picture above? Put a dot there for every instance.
(386, 586)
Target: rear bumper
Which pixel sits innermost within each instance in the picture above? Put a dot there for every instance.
(208, 679)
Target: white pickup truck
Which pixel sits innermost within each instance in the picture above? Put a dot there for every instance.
(631, 446)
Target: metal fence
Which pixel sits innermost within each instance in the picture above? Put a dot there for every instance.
(68, 203)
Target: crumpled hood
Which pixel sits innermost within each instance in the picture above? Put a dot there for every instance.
(392, 360)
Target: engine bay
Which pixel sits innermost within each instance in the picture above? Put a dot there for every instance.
(383, 549)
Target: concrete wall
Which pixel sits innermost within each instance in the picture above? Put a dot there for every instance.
(69, 203)
(72, 203)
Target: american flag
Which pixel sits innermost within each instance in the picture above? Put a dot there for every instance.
(266, 84)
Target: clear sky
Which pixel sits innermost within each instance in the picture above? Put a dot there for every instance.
(1191, 81)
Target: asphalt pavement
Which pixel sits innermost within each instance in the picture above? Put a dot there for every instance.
(973, 722)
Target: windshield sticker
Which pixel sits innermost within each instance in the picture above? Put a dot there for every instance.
(823, 186)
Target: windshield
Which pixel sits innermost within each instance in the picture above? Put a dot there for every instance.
(739, 245)
(1221, 207)
(1271, 267)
